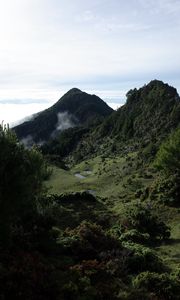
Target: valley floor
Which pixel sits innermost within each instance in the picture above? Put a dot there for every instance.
(114, 181)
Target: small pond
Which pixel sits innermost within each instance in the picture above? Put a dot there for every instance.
(78, 175)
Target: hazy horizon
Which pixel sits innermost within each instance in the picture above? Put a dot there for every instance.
(99, 46)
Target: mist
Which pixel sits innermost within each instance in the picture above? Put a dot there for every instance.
(65, 121)
(28, 141)
(26, 119)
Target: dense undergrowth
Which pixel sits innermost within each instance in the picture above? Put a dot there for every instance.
(72, 246)
(111, 234)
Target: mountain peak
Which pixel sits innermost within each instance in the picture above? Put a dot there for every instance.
(75, 108)
(155, 90)
(150, 111)
(158, 84)
(74, 91)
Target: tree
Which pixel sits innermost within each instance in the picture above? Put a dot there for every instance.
(142, 218)
(21, 181)
(168, 156)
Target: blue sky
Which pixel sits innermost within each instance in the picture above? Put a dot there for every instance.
(103, 47)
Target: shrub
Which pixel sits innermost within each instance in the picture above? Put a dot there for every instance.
(22, 172)
(168, 156)
(161, 285)
(135, 236)
(142, 218)
(142, 258)
(166, 189)
(88, 240)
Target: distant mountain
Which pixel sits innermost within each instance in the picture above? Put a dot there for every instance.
(75, 108)
(148, 116)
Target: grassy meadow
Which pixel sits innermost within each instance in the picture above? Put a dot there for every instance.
(114, 181)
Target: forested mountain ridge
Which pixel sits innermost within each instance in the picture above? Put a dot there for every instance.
(148, 116)
(100, 219)
(75, 108)
(149, 111)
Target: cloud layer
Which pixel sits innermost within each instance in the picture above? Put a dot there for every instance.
(51, 46)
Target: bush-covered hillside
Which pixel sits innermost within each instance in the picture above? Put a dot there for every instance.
(148, 116)
(149, 112)
(99, 221)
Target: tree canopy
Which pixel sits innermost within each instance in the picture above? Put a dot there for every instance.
(21, 180)
(168, 156)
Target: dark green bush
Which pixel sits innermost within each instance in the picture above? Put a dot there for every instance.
(141, 258)
(166, 189)
(142, 218)
(135, 236)
(161, 285)
(168, 156)
(87, 241)
(22, 172)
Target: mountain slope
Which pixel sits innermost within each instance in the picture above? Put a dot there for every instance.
(149, 111)
(73, 109)
(148, 116)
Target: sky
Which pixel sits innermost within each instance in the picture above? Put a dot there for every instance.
(104, 47)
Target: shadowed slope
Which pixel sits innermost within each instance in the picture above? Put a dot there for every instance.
(74, 108)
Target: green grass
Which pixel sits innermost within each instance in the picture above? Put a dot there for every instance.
(170, 250)
(109, 179)
(62, 181)
(105, 178)
(115, 181)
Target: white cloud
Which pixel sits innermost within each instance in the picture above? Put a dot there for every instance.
(12, 113)
(115, 106)
(64, 121)
(50, 46)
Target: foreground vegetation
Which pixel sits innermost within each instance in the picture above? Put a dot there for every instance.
(98, 228)
(78, 246)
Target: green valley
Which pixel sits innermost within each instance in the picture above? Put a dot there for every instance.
(93, 211)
